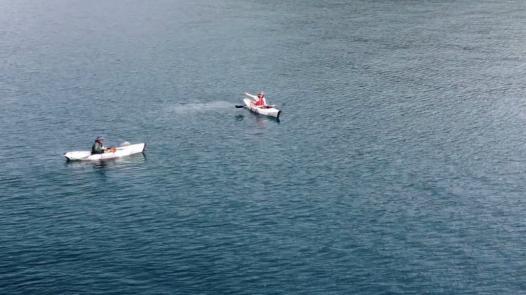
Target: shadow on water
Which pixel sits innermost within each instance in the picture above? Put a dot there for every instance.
(260, 119)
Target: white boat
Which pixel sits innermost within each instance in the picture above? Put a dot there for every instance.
(117, 152)
(269, 110)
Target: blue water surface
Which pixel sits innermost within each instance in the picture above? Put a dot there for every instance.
(398, 165)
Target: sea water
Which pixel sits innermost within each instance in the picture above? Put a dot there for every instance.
(398, 165)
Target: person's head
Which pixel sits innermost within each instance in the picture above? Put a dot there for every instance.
(99, 139)
(261, 94)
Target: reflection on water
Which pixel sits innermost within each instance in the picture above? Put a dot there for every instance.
(261, 120)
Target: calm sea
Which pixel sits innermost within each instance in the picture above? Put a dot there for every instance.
(399, 164)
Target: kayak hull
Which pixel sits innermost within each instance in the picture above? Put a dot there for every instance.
(120, 152)
(270, 111)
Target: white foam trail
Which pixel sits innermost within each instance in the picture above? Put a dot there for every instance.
(202, 107)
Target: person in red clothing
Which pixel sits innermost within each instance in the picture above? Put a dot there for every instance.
(261, 101)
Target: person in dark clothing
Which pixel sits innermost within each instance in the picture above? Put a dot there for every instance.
(98, 147)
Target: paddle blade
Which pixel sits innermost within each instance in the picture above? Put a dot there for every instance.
(239, 106)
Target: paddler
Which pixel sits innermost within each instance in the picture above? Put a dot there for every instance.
(98, 147)
(261, 101)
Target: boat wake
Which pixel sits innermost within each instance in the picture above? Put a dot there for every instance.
(198, 107)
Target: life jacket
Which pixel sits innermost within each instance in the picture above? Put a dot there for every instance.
(261, 101)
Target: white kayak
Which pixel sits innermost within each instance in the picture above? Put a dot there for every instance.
(121, 151)
(269, 110)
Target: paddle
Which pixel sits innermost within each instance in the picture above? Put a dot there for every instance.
(239, 106)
